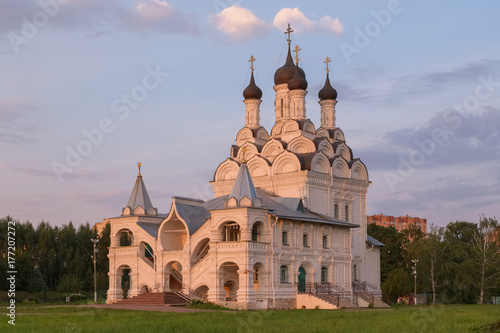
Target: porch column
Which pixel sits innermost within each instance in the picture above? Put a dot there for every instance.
(245, 293)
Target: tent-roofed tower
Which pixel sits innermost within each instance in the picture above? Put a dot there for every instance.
(139, 202)
(243, 192)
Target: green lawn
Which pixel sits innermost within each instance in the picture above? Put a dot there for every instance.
(453, 318)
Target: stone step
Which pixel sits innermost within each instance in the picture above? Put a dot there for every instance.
(170, 298)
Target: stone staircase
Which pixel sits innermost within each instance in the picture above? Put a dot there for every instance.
(166, 298)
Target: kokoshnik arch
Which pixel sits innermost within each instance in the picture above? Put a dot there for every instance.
(287, 227)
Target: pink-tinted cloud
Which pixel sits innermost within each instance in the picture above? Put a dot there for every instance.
(300, 22)
(239, 23)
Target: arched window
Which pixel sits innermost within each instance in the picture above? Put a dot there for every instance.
(284, 274)
(126, 238)
(324, 274)
(255, 233)
(231, 232)
(347, 212)
(336, 211)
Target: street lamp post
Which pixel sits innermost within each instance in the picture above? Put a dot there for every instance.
(414, 261)
(95, 271)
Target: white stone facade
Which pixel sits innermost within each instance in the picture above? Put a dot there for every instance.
(289, 211)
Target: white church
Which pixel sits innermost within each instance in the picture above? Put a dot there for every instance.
(287, 227)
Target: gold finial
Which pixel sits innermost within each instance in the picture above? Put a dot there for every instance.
(251, 61)
(327, 61)
(139, 166)
(296, 50)
(288, 31)
(243, 150)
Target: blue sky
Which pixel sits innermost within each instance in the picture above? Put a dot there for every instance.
(418, 84)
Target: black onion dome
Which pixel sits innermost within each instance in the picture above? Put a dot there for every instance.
(327, 92)
(286, 72)
(297, 81)
(252, 91)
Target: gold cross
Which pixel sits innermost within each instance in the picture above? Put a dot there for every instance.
(139, 165)
(251, 61)
(327, 61)
(296, 50)
(289, 31)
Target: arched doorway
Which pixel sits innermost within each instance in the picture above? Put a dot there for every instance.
(305, 278)
(124, 281)
(230, 278)
(301, 284)
(173, 276)
(231, 289)
(144, 289)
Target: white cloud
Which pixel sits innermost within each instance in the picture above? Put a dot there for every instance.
(155, 10)
(331, 25)
(299, 22)
(160, 16)
(239, 23)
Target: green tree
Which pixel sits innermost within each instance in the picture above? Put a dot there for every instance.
(398, 283)
(102, 258)
(485, 255)
(430, 251)
(458, 281)
(391, 255)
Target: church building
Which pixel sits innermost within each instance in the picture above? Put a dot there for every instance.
(287, 226)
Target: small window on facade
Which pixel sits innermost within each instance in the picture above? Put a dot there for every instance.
(324, 274)
(305, 240)
(284, 274)
(347, 212)
(336, 211)
(284, 238)
(325, 241)
(256, 275)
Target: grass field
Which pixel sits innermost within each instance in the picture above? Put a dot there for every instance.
(452, 318)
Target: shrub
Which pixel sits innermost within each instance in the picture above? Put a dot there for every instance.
(200, 304)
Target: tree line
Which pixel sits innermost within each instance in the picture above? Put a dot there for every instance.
(55, 259)
(459, 263)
